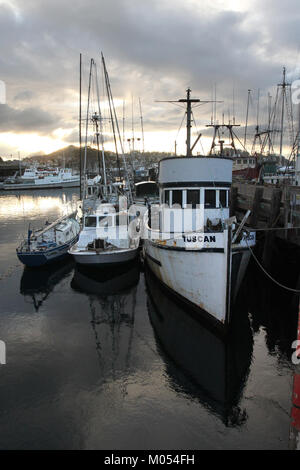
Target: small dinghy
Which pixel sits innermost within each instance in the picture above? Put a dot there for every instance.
(49, 244)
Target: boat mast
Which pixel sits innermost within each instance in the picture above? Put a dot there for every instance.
(80, 153)
(142, 125)
(101, 133)
(283, 85)
(132, 123)
(86, 128)
(189, 101)
(247, 113)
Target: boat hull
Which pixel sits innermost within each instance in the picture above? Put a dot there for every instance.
(22, 186)
(37, 259)
(206, 280)
(104, 258)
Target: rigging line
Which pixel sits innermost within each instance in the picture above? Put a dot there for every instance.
(118, 131)
(86, 130)
(296, 291)
(101, 130)
(109, 97)
(180, 125)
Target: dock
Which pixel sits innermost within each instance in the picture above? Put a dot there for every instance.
(275, 213)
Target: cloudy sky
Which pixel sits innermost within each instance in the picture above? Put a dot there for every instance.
(154, 50)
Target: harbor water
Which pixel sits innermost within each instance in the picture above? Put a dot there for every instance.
(108, 360)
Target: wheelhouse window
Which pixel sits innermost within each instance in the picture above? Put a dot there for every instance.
(90, 221)
(167, 197)
(193, 197)
(210, 198)
(223, 198)
(177, 197)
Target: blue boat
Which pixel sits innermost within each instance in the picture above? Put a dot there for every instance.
(49, 244)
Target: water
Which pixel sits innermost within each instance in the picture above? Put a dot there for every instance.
(108, 361)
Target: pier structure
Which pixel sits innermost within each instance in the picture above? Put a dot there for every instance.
(275, 211)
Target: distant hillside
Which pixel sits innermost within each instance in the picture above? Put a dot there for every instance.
(69, 157)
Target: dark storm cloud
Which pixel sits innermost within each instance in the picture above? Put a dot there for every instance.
(153, 49)
(26, 120)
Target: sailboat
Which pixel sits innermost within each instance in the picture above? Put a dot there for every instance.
(50, 243)
(193, 246)
(110, 233)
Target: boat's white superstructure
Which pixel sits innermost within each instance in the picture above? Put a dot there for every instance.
(107, 237)
(191, 243)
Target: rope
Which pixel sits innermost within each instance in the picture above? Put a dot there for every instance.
(267, 229)
(296, 291)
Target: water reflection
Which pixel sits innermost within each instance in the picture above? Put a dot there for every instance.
(273, 308)
(37, 284)
(24, 204)
(112, 302)
(199, 363)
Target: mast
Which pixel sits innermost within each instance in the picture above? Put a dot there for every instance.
(247, 113)
(80, 153)
(101, 135)
(123, 123)
(188, 122)
(132, 123)
(189, 101)
(283, 85)
(142, 125)
(86, 128)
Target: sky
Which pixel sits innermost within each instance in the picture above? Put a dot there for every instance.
(154, 50)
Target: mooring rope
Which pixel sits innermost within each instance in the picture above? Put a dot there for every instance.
(266, 229)
(296, 291)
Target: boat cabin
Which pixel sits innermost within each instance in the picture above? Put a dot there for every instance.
(194, 193)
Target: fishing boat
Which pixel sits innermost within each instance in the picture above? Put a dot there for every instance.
(193, 246)
(106, 237)
(50, 243)
(110, 233)
(35, 178)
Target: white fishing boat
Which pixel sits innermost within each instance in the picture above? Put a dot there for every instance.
(193, 246)
(34, 178)
(107, 237)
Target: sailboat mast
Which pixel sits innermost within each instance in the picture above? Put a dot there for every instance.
(132, 123)
(283, 85)
(86, 129)
(247, 113)
(142, 125)
(80, 153)
(101, 134)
